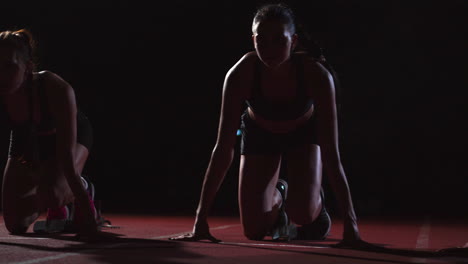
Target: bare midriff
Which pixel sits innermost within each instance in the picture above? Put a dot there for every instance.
(280, 126)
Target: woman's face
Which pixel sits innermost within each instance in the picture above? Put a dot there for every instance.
(12, 71)
(273, 42)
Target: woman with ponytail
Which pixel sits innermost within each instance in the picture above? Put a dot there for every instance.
(49, 145)
(291, 115)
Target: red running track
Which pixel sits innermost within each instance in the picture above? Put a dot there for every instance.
(143, 239)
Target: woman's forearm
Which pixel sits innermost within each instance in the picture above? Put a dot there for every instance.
(219, 164)
(340, 187)
(85, 213)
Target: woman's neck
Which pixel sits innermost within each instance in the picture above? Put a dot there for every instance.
(283, 70)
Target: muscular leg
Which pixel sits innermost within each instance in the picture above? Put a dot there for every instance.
(54, 189)
(19, 197)
(81, 155)
(21, 202)
(258, 197)
(304, 181)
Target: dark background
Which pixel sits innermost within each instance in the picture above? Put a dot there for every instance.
(149, 77)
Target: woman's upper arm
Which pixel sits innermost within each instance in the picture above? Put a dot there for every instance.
(62, 105)
(231, 106)
(326, 113)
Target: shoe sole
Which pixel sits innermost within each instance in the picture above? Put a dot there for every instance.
(54, 226)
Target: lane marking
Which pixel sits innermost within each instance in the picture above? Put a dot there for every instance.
(60, 256)
(242, 244)
(183, 233)
(422, 241)
(22, 238)
(270, 245)
(64, 255)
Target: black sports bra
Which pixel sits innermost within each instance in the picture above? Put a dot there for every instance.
(280, 110)
(25, 139)
(46, 122)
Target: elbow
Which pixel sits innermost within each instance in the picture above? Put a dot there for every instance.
(222, 155)
(65, 156)
(223, 149)
(65, 160)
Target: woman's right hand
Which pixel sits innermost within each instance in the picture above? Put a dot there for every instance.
(201, 231)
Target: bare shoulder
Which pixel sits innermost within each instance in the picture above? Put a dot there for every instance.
(318, 79)
(53, 82)
(51, 77)
(244, 65)
(313, 66)
(239, 78)
(57, 90)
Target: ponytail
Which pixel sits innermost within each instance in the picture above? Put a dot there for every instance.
(311, 47)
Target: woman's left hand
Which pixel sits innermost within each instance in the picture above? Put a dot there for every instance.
(352, 238)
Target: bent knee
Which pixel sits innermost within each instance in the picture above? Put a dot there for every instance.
(301, 216)
(19, 225)
(254, 235)
(16, 229)
(254, 232)
(256, 228)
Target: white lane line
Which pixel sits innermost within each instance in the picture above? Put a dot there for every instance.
(60, 256)
(22, 238)
(64, 255)
(241, 244)
(422, 241)
(270, 245)
(183, 233)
